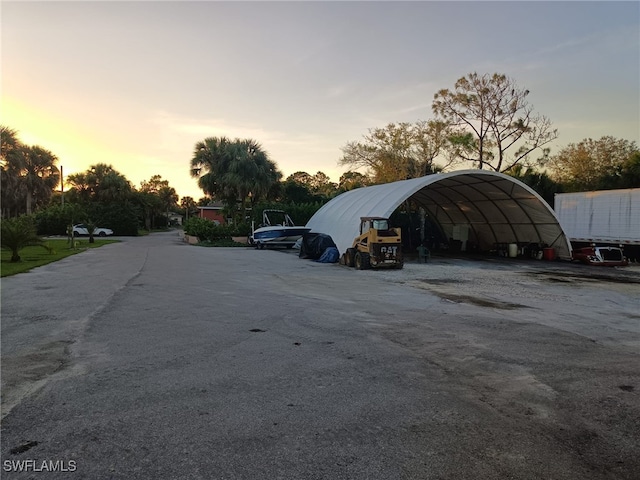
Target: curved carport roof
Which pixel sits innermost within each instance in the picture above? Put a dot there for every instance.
(496, 208)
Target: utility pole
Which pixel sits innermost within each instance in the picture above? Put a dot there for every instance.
(62, 185)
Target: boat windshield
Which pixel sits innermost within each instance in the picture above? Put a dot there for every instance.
(276, 217)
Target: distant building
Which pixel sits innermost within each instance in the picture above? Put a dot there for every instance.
(174, 218)
(213, 212)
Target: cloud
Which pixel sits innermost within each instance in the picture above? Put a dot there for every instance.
(291, 151)
(201, 128)
(337, 91)
(423, 107)
(571, 43)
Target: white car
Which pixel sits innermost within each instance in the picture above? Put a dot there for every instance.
(81, 229)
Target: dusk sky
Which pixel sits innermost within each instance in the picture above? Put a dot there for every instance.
(137, 84)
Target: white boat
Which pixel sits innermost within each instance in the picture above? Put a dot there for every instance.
(276, 229)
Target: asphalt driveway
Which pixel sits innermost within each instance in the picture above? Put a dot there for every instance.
(153, 359)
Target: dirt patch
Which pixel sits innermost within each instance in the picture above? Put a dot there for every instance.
(558, 280)
(441, 281)
(24, 373)
(478, 301)
(440, 287)
(567, 277)
(23, 447)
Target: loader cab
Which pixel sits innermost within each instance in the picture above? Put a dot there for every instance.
(368, 223)
(379, 224)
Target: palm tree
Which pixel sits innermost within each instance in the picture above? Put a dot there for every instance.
(17, 233)
(158, 195)
(91, 227)
(11, 162)
(8, 141)
(169, 199)
(151, 205)
(233, 170)
(81, 187)
(39, 175)
(111, 186)
(188, 204)
(209, 162)
(253, 175)
(29, 174)
(101, 182)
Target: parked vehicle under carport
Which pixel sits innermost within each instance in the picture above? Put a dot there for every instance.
(600, 255)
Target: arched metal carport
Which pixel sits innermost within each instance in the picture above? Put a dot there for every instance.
(492, 208)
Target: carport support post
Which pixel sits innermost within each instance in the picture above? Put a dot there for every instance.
(408, 209)
(423, 214)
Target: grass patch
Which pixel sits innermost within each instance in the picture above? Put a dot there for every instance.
(35, 256)
(223, 242)
(143, 232)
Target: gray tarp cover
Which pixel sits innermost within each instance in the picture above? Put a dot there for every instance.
(495, 208)
(313, 245)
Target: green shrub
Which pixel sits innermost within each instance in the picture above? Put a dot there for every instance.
(55, 219)
(122, 218)
(221, 232)
(199, 227)
(207, 231)
(240, 230)
(18, 233)
(225, 242)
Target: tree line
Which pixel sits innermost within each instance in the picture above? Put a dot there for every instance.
(486, 122)
(240, 173)
(31, 184)
(29, 175)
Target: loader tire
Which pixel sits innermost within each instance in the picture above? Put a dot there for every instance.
(362, 261)
(350, 257)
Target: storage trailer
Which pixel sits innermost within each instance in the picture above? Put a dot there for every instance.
(601, 218)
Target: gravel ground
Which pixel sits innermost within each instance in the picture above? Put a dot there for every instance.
(602, 303)
(154, 359)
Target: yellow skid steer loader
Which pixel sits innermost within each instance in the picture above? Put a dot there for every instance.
(377, 246)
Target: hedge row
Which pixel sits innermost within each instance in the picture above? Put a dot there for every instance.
(122, 218)
(207, 231)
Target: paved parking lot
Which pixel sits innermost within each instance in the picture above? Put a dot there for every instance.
(155, 359)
